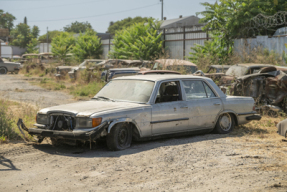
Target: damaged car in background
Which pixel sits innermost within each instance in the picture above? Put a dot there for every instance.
(7, 66)
(268, 87)
(215, 72)
(142, 107)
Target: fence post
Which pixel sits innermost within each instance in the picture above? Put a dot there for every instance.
(184, 43)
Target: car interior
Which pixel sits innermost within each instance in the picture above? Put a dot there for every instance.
(168, 92)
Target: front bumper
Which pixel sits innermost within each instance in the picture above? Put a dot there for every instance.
(86, 136)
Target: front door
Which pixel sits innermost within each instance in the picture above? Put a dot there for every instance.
(170, 112)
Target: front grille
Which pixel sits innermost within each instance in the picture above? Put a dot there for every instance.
(62, 122)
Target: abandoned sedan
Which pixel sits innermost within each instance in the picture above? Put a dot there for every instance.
(145, 106)
(6, 66)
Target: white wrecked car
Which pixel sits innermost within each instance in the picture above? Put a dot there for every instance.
(146, 106)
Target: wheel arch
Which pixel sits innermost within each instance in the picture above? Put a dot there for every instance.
(133, 123)
(230, 112)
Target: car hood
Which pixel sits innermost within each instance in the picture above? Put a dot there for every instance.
(87, 108)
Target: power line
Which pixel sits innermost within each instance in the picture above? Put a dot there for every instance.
(57, 5)
(95, 15)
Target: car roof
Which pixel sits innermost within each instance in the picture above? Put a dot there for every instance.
(125, 69)
(168, 62)
(253, 65)
(159, 77)
(220, 66)
(158, 71)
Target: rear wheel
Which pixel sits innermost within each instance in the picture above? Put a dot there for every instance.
(3, 70)
(225, 123)
(120, 137)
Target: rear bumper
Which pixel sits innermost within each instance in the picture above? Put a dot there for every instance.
(253, 117)
(86, 136)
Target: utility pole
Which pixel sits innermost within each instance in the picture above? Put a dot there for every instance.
(161, 9)
(47, 41)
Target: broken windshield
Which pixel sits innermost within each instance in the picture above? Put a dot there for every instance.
(127, 90)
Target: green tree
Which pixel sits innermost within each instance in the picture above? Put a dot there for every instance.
(229, 19)
(125, 23)
(140, 41)
(88, 46)
(32, 46)
(22, 35)
(51, 36)
(62, 45)
(78, 27)
(25, 20)
(6, 20)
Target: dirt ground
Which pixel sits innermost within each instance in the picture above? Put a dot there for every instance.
(238, 161)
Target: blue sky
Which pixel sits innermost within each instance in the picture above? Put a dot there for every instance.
(55, 14)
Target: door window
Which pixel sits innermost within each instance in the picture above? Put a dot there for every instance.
(194, 90)
(209, 92)
(169, 92)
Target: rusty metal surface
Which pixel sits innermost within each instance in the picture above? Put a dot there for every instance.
(267, 89)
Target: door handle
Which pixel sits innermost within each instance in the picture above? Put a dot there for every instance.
(184, 107)
(216, 104)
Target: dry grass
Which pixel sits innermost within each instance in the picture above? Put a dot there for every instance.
(86, 85)
(14, 110)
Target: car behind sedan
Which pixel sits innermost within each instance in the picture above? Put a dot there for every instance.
(145, 106)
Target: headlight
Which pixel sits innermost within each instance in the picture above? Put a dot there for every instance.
(42, 119)
(88, 122)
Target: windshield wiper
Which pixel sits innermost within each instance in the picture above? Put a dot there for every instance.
(105, 98)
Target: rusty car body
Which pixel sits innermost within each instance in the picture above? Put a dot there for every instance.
(215, 72)
(175, 65)
(143, 107)
(7, 66)
(240, 70)
(268, 88)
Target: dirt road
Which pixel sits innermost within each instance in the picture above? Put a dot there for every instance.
(235, 162)
(18, 88)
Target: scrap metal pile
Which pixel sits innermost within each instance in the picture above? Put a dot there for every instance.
(268, 88)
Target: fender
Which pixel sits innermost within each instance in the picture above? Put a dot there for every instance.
(123, 120)
(227, 111)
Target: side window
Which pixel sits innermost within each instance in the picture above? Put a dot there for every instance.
(209, 92)
(194, 90)
(168, 92)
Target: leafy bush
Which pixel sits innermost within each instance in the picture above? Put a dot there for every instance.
(88, 46)
(140, 41)
(62, 45)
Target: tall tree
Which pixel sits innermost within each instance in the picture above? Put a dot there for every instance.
(62, 45)
(25, 20)
(78, 27)
(6, 20)
(140, 41)
(125, 23)
(51, 36)
(22, 35)
(88, 46)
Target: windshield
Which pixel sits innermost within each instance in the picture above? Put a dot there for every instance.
(236, 71)
(127, 90)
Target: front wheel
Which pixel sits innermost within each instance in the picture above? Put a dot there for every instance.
(3, 70)
(225, 123)
(120, 137)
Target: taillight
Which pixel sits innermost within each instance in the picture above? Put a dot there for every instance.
(254, 108)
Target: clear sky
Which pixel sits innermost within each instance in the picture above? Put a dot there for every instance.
(55, 14)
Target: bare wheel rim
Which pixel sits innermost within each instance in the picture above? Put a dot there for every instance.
(225, 122)
(3, 71)
(123, 136)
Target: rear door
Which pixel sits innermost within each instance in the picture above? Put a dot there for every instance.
(203, 104)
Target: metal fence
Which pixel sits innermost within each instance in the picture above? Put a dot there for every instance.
(177, 41)
(276, 44)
